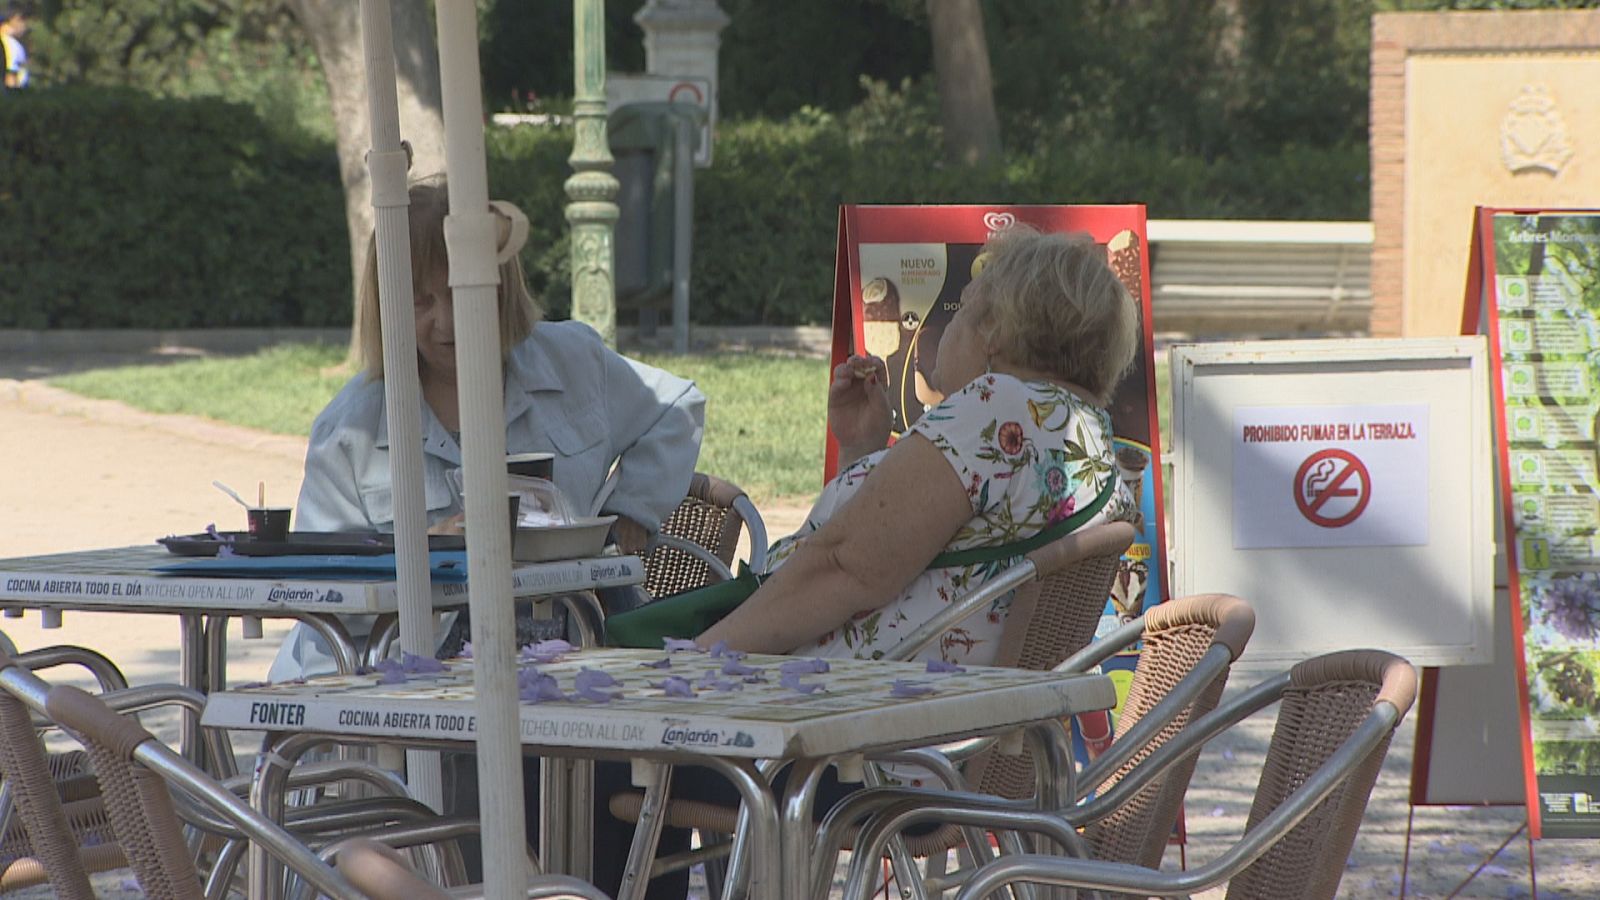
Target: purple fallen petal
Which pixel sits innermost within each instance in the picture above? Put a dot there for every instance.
(791, 680)
(754, 679)
(225, 551)
(536, 687)
(413, 664)
(674, 645)
(674, 686)
(589, 679)
(211, 530)
(710, 681)
(804, 667)
(131, 885)
(545, 651)
(1218, 812)
(904, 688)
(732, 666)
(720, 649)
(595, 694)
(664, 662)
(466, 649)
(392, 676)
(940, 667)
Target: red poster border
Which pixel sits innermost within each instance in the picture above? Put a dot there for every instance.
(910, 223)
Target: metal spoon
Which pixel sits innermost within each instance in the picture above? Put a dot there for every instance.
(231, 493)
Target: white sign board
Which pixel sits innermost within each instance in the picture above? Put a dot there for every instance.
(1344, 489)
(624, 89)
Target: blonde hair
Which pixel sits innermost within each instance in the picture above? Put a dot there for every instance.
(430, 202)
(1050, 302)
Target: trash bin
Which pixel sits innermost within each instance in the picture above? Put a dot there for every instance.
(653, 145)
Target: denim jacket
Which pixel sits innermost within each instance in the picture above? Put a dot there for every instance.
(565, 393)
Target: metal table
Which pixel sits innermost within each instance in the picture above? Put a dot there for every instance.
(853, 713)
(123, 580)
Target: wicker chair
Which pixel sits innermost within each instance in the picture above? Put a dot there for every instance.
(134, 770)
(381, 873)
(1060, 592)
(1337, 717)
(696, 544)
(1189, 646)
(60, 857)
(50, 789)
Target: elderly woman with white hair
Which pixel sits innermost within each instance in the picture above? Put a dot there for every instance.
(1020, 443)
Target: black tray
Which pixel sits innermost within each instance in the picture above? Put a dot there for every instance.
(300, 543)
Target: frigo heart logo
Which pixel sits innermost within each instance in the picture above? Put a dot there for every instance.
(998, 221)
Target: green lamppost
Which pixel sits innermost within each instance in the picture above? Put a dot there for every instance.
(592, 189)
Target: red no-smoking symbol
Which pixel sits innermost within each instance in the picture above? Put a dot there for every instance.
(1332, 488)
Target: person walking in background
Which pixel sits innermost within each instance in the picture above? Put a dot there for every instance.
(12, 27)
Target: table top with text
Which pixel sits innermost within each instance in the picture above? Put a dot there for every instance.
(692, 702)
(124, 579)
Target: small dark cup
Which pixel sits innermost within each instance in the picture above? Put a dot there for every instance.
(532, 465)
(270, 524)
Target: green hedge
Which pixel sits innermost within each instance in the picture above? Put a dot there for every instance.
(121, 210)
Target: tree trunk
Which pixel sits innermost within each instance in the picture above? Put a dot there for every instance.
(966, 87)
(334, 27)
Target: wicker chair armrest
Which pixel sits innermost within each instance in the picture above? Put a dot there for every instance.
(1183, 744)
(755, 529)
(717, 566)
(382, 873)
(1213, 665)
(1105, 876)
(105, 672)
(1103, 649)
(157, 696)
(317, 774)
(966, 606)
(309, 821)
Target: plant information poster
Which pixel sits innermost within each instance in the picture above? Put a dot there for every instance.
(1545, 327)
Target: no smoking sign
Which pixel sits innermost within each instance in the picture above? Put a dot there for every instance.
(1332, 488)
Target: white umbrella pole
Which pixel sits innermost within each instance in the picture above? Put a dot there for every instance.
(387, 165)
(470, 240)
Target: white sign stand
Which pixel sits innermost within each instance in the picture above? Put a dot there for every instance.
(1344, 489)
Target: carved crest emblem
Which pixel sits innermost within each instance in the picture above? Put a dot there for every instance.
(1532, 134)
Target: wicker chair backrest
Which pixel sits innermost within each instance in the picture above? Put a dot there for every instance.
(1177, 635)
(705, 517)
(23, 764)
(137, 800)
(1050, 619)
(1328, 699)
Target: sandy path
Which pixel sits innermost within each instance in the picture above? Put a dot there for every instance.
(82, 474)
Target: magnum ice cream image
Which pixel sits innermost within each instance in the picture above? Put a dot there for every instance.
(1122, 251)
(1129, 402)
(1127, 588)
(904, 289)
(880, 317)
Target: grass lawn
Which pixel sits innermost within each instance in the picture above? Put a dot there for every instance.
(763, 424)
(764, 421)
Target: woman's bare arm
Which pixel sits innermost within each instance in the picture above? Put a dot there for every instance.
(902, 517)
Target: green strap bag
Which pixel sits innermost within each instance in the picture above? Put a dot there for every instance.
(687, 614)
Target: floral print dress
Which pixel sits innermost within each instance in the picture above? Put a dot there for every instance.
(1029, 453)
